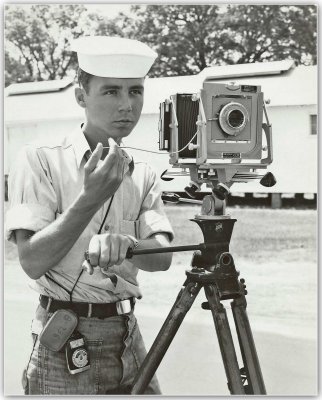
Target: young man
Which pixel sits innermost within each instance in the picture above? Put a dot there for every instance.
(86, 194)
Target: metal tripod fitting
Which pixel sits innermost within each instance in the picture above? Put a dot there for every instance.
(215, 204)
(215, 231)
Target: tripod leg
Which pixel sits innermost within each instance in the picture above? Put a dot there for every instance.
(247, 347)
(164, 338)
(225, 340)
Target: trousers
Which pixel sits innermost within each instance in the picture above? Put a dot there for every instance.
(116, 351)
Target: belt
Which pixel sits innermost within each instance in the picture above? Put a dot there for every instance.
(93, 310)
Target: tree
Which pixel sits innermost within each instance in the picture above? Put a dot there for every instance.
(15, 70)
(187, 38)
(272, 32)
(303, 34)
(117, 26)
(41, 35)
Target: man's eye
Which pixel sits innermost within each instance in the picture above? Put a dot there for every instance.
(109, 92)
(136, 91)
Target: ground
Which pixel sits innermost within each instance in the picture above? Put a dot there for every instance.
(274, 250)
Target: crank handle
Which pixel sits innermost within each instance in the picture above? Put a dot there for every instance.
(171, 249)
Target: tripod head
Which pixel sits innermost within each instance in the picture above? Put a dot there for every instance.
(213, 205)
(213, 262)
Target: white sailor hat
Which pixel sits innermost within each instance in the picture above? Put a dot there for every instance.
(113, 57)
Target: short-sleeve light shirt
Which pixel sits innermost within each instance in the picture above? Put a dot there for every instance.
(47, 179)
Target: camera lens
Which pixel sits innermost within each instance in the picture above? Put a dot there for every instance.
(236, 118)
(233, 118)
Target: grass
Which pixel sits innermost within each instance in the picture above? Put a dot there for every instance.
(257, 233)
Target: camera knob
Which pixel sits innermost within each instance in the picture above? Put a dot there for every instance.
(221, 191)
(268, 180)
(192, 189)
(193, 146)
(205, 305)
(170, 197)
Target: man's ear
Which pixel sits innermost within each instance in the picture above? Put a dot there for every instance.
(80, 96)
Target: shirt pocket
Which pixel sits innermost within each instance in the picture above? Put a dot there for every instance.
(130, 227)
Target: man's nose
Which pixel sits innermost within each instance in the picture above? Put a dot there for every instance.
(125, 103)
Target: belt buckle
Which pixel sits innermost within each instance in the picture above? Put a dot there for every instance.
(123, 307)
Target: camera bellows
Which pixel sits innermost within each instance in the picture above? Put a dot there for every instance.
(187, 114)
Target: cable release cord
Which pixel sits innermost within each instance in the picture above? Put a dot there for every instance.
(156, 152)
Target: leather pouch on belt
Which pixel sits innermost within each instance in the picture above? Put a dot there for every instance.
(58, 329)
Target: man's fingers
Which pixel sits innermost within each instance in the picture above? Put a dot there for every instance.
(87, 267)
(114, 252)
(113, 156)
(94, 158)
(119, 167)
(94, 250)
(105, 254)
(122, 252)
(106, 250)
(114, 147)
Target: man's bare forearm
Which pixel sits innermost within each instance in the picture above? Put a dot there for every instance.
(40, 251)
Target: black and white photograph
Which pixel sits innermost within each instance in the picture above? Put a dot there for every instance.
(160, 175)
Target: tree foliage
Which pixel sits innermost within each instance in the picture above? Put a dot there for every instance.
(187, 38)
(272, 32)
(190, 38)
(41, 35)
(15, 70)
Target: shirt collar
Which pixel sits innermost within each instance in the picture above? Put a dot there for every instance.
(129, 167)
(80, 144)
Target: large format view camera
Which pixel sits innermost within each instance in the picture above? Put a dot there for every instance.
(217, 133)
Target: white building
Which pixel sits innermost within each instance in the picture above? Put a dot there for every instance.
(37, 109)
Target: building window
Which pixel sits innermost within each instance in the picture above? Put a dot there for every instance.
(313, 118)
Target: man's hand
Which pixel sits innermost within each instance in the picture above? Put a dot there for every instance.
(102, 181)
(106, 250)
